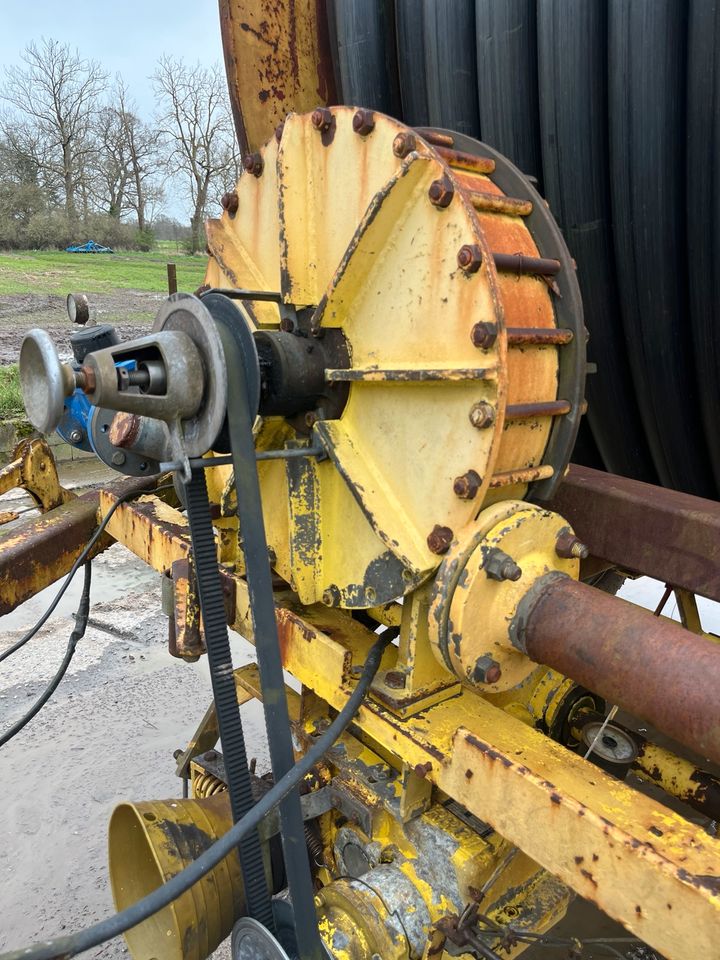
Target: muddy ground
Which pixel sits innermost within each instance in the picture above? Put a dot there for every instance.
(108, 735)
(128, 310)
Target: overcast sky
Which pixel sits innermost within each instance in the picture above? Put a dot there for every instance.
(126, 36)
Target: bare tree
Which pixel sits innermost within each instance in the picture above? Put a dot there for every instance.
(198, 128)
(56, 94)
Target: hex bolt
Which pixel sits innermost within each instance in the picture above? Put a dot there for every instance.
(441, 192)
(467, 486)
(230, 202)
(570, 547)
(486, 670)
(439, 539)
(499, 566)
(118, 458)
(363, 122)
(482, 415)
(469, 257)
(403, 144)
(253, 163)
(395, 679)
(75, 436)
(484, 334)
(422, 769)
(321, 119)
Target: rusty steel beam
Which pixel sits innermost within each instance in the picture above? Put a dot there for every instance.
(36, 553)
(277, 60)
(645, 529)
(648, 665)
(39, 551)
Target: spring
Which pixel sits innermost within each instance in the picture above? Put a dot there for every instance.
(207, 785)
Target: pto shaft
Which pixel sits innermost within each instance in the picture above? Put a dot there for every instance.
(651, 667)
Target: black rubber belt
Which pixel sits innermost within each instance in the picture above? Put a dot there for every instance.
(262, 609)
(257, 896)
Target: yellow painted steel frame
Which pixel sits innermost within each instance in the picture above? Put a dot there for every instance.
(641, 863)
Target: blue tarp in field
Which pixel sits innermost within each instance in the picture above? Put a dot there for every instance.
(89, 247)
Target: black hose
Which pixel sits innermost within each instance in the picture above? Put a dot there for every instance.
(75, 567)
(70, 946)
(81, 619)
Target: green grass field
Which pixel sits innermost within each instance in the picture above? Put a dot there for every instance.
(53, 271)
(11, 405)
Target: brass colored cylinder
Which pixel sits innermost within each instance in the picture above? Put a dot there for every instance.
(151, 841)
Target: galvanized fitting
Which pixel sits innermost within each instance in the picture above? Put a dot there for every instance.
(482, 415)
(469, 258)
(486, 670)
(499, 566)
(230, 202)
(439, 539)
(321, 119)
(363, 122)
(253, 163)
(441, 192)
(484, 334)
(467, 486)
(403, 144)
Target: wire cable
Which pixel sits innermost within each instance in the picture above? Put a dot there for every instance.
(75, 567)
(70, 946)
(81, 619)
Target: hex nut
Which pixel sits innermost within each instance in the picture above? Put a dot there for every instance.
(439, 539)
(484, 334)
(363, 122)
(118, 458)
(482, 415)
(467, 486)
(253, 163)
(321, 119)
(403, 144)
(395, 679)
(230, 202)
(570, 547)
(469, 258)
(499, 566)
(441, 192)
(486, 670)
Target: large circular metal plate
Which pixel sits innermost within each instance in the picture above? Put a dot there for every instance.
(382, 268)
(41, 381)
(252, 941)
(186, 313)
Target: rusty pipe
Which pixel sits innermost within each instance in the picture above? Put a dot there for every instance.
(649, 666)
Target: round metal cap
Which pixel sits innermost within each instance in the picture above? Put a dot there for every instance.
(78, 308)
(252, 941)
(44, 381)
(614, 744)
